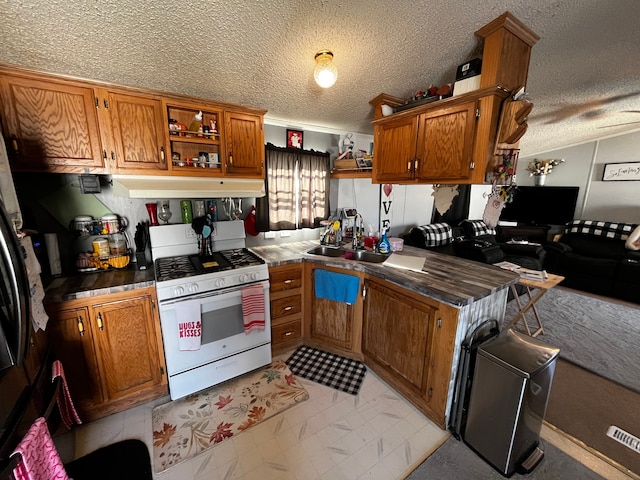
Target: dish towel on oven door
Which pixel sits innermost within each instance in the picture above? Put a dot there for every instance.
(189, 324)
(253, 308)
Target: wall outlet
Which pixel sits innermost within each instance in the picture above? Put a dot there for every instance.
(285, 233)
(269, 234)
(190, 233)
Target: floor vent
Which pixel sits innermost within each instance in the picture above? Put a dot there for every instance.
(624, 438)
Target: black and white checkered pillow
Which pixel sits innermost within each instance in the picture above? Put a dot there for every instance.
(436, 234)
(604, 229)
(473, 228)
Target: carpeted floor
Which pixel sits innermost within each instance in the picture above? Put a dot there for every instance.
(599, 335)
(455, 460)
(584, 405)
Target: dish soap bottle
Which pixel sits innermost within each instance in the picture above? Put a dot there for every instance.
(384, 246)
(196, 123)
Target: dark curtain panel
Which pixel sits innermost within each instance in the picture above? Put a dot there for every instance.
(459, 209)
(297, 189)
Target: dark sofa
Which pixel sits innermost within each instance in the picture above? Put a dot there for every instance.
(592, 257)
(474, 240)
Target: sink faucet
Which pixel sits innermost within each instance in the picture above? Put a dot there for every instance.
(357, 233)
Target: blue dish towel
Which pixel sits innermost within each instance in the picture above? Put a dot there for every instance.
(336, 286)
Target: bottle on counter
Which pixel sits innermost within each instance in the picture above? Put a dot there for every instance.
(384, 246)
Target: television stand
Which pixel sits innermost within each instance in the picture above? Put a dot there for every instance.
(532, 233)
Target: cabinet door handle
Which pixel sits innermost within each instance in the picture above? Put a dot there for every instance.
(231, 159)
(286, 309)
(364, 291)
(80, 325)
(288, 281)
(161, 154)
(100, 324)
(14, 144)
(409, 166)
(415, 164)
(288, 334)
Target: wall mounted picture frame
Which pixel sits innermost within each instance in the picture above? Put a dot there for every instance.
(615, 172)
(294, 138)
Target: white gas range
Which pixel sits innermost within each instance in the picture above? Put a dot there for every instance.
(207, 290)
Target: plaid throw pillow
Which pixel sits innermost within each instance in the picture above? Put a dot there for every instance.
(604, 229)
(473, 228)
(436, 234)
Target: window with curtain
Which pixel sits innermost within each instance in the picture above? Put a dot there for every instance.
(297, 189)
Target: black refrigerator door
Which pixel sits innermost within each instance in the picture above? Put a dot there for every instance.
(14, 296)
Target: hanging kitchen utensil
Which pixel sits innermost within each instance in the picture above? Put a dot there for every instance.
(250, 222)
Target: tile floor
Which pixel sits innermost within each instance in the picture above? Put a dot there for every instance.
(333, 435)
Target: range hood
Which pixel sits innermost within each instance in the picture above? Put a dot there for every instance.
(150, 186)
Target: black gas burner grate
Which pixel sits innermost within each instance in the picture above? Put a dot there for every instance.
(241, 257)
(169, 268)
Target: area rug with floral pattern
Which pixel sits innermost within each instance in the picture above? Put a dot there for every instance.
(185, 427)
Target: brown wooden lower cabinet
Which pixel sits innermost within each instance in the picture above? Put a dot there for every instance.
(331, 325)
(111, 349)
(286, 302)
(408, 340)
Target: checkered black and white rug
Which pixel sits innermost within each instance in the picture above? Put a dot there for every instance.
(327, 369)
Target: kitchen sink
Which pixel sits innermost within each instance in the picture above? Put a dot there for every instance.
(371, 257)
(327, 251)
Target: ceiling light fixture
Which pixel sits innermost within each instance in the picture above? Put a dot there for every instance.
(325, 72)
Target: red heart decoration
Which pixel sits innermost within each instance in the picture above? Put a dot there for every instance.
(387, 188)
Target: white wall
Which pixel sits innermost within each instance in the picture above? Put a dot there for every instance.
(583, 167)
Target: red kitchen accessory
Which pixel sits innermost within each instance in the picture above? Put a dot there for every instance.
(250, 222)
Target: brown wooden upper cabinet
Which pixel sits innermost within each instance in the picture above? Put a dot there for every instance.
(456, 140)
(436, 145)
(50, 125)
(55, 123)
(244, 144)
(133, 129)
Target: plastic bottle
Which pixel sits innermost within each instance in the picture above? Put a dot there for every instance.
(196, 123)
(384, 246)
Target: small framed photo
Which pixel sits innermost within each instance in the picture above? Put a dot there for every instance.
(294, 138)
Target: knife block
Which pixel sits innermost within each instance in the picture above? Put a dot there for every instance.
(141, 260)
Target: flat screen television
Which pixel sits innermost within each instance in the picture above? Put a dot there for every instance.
(541, 206)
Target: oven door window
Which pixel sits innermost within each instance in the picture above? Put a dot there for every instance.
(221, 322)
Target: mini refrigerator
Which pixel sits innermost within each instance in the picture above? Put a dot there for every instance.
(508, 399)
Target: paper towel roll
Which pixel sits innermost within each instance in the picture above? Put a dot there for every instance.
(53, 252)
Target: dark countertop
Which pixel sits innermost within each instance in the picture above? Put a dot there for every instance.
(445, 278)
(452, 280)
(86, 285)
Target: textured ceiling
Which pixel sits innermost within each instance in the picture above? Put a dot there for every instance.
(583, 73)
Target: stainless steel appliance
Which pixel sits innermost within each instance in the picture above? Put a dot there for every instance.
(208, 289)
(509, 394)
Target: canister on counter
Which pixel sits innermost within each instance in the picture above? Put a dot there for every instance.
(101, 247)
(185, 209)
(110, 223)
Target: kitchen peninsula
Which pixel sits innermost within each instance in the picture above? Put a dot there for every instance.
(407, 326)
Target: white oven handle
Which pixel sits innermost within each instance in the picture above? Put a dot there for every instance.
(216, 294)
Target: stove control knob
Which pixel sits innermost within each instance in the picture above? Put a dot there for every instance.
(219, 282)
(178, 291)
(193, 288)
(254, 276)
(244, 278)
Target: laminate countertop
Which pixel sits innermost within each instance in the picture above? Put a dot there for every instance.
(448, 279)
(85, 285)
(452, 280)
